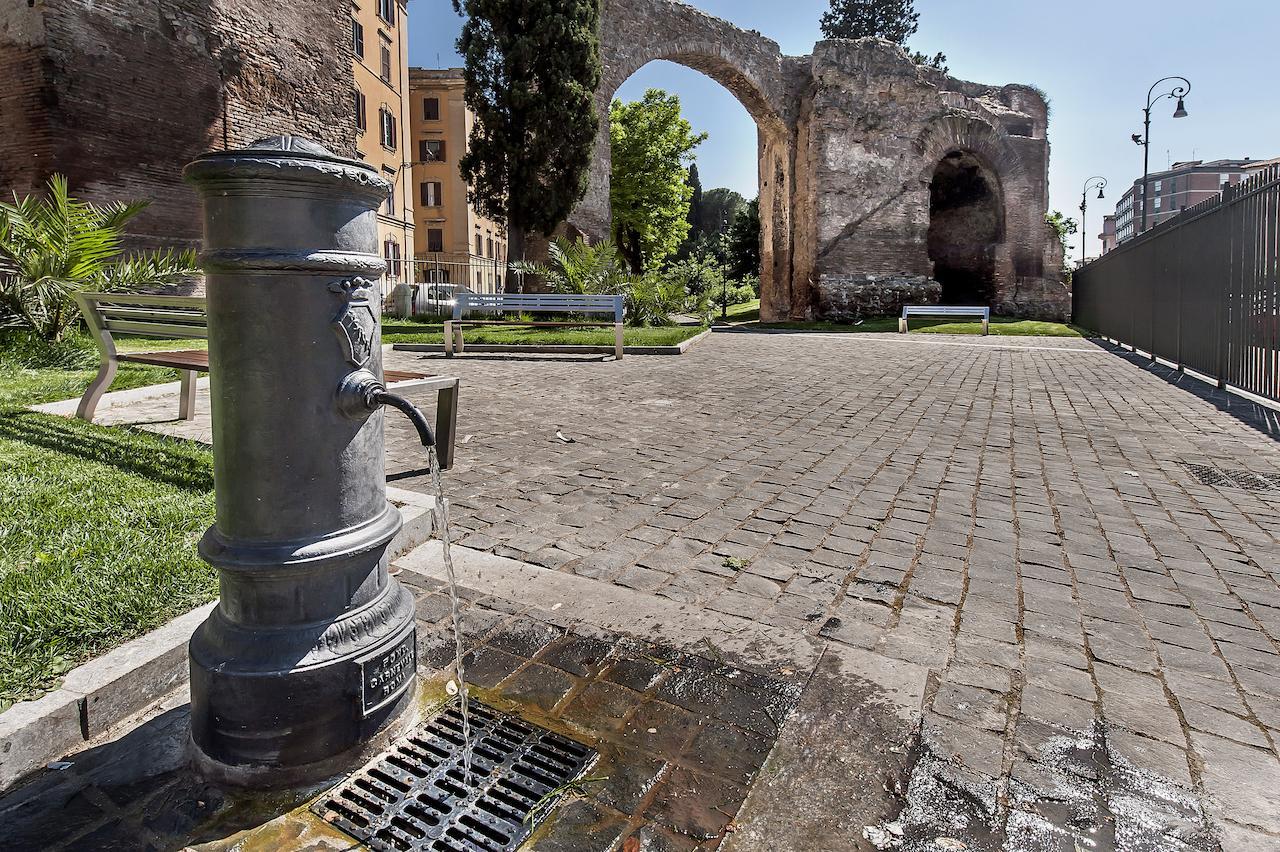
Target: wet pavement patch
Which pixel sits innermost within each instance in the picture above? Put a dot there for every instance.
(681, 736)
(422, 795)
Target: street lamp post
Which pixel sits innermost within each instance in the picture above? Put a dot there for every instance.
(1101, 183)
(1179, 92)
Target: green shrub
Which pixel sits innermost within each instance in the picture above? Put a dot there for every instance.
(653, 298)
(737, 293)
(52, 246)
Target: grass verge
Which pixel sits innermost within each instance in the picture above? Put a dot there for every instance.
(99, 527)
(410, 331)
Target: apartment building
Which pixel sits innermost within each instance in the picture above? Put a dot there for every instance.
(380, 66)
(1171, 191)
(1108, 235)
(452, 242)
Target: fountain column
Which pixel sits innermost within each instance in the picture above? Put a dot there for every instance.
(308, 661)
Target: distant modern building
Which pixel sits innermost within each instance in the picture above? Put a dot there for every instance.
(380, 66)
(1108, 235)
(452, 242)
(1170, 192)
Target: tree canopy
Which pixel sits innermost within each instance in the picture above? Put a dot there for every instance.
(742, 243)
(652, 145)
(896, 20)
(531, 68)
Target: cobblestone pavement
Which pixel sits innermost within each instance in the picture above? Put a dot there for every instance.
(1080, 547)
(1016, 515)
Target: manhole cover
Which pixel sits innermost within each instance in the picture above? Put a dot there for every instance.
(417, 796)
(1226, 478)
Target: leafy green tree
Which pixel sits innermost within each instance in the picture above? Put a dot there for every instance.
(895, 20)
(742, 243)
(531, 68)
(652, 143)
(53, 245)
(720, 207)
(1063, 226)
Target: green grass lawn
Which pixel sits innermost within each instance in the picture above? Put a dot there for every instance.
(1002, 326)
(745, 312)
(411, 331)
(99, 527)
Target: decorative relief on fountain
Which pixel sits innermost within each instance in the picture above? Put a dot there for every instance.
(356, 323)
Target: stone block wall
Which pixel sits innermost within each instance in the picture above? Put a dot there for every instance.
(881, 126)
(120, 94)
(849, 138)
(844, 298)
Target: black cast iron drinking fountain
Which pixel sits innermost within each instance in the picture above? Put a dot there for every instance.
(309, 660)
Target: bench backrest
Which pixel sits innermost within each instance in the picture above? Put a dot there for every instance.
(564, 303)
(945, 311)
(143, 315)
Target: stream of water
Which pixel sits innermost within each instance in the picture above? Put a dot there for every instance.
(442, 526)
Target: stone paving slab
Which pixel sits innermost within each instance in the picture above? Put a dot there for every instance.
(1016, 516)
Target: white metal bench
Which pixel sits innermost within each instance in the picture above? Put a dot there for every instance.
(941, 311)
(557, 303)
(184, 318)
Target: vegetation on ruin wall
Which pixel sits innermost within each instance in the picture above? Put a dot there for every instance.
(99, 525)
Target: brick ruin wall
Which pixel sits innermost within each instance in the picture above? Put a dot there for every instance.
(881, 127)
(849, 138)
(120, 94)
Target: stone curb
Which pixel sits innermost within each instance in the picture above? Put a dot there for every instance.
(105, 691)
(557, 349)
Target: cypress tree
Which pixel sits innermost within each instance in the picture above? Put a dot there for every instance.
(531, 69)
(697, 221)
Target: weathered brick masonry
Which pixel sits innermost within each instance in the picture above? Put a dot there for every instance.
(851, 139)
(119, 94)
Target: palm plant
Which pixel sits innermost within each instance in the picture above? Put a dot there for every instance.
(576, 266)
(53, 245)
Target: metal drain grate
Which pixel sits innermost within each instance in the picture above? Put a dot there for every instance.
(417, 798)
(1225, 478)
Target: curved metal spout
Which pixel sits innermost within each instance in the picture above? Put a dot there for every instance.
(408, 409)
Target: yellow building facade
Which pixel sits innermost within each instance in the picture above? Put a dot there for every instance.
(452, 242)
(380, 67)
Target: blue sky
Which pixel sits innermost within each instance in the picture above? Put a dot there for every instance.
(1095, 60)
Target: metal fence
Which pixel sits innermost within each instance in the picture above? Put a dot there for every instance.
(1201, 290)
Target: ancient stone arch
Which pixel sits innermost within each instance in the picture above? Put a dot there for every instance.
(634, 33)
(849, 141)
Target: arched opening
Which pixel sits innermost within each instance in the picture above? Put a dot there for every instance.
(966, 226)
(726, 176)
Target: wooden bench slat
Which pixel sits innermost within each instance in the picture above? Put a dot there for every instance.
(181, 359)
(390, 376)
(527, 324)
(155, 329)
(152, 315)
(101, 299)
